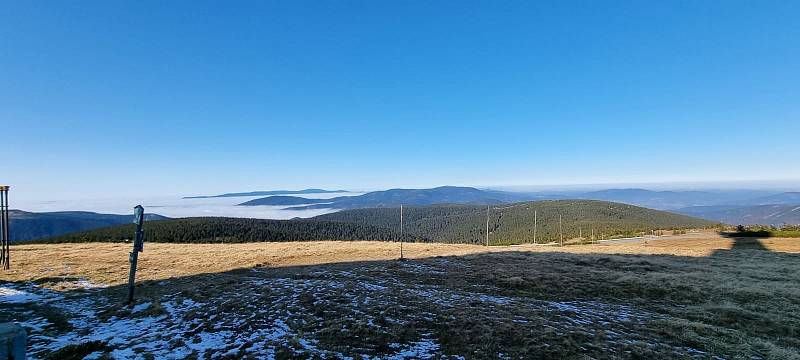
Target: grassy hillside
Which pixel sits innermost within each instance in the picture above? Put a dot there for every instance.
(508, 224)
(514, 223)
(232, 230)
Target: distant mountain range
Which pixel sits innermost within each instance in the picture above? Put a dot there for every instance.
(396, 197)
(790, 198)
(282, 200)
(28, 225)
(268, 193)
(671, 200)
(508, 224)
(729, 206)
(662, 200)
(775, 215)
(732, 207)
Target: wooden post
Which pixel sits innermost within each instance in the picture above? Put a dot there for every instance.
(138, 246)
(560, 231)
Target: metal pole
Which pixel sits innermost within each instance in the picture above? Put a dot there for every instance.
(138, 218)
(487, 225)
(2, 228)
(401, 231)
(7, 231)
(534, 227)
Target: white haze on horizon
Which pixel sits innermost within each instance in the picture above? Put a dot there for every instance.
(177, 207)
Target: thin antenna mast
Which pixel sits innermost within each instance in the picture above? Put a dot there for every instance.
(401, 231)
(487, 225)
(534, 226)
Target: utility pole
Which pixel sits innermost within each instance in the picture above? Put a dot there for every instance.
(560, 231)
(401, 232)
(487, 225)
(534, 227)
(138, 246)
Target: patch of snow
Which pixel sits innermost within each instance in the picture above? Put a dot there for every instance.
(15, 296)
(140, 307)
(86, 284)
(421, 268)
(210, 341)
(373, 287)
(423, 349)
(494, 299)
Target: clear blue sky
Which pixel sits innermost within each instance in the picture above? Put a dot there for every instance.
(108, 98)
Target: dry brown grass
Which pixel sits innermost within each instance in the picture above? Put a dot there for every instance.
(687, 296)
(107, 263)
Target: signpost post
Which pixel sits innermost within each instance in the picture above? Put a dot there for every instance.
(138, 246)
(5, 234)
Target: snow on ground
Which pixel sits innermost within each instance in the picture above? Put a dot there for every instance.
(360, 312)
(423, 349)
(11, 296)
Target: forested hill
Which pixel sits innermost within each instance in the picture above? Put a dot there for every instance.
(232, 230)
(514, 223)
(30, 225)
(508, 224)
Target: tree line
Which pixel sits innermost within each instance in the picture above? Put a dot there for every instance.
(514, 223)
(232, 230)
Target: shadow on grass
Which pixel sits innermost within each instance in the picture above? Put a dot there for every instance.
(747, 240)
(520, 304)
